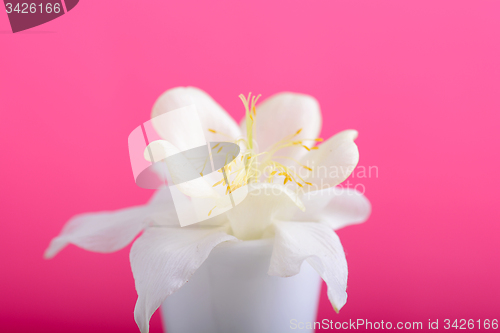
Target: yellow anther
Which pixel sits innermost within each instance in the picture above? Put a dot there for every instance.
(219, 150)
(215, 146)
(218, 183)
(211, 130)
(318, 139)
(306, 148)
(306, 167)
(298, 132)
(308, 183)
(235, 187)
(210, 212)
(314, 148)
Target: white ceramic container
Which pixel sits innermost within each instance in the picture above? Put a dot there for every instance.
(232, 293)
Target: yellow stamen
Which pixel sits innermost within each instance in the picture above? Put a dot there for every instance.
(210, 212)
(249, 167)
(220, 133)
(218, 183)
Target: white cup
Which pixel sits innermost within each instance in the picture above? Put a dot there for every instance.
(232, 293)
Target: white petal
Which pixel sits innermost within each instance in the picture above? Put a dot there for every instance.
(337, 207)
(163, 259)
(349, 207)
(181, 127)
(179, 169)
(333, 162)
(212, 115)
(320, 246)
(111, 231)
(264, 204)
(282, 115)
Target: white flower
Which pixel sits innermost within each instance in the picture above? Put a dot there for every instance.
(293, 207)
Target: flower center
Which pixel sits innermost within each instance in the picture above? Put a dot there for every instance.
(264, 166)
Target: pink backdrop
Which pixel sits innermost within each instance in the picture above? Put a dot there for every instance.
(419, 79)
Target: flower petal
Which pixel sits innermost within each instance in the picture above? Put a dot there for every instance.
(212, 115)
(264, 204)
(348, 207)
(320, 246)
(163, 259)
(282, 115)
(333, 161)
(179, 169)
(111, 231)
(337, 207)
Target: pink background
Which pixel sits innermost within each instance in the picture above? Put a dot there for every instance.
(419, 79)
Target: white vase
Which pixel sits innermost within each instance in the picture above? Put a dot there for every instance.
(232, 293)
